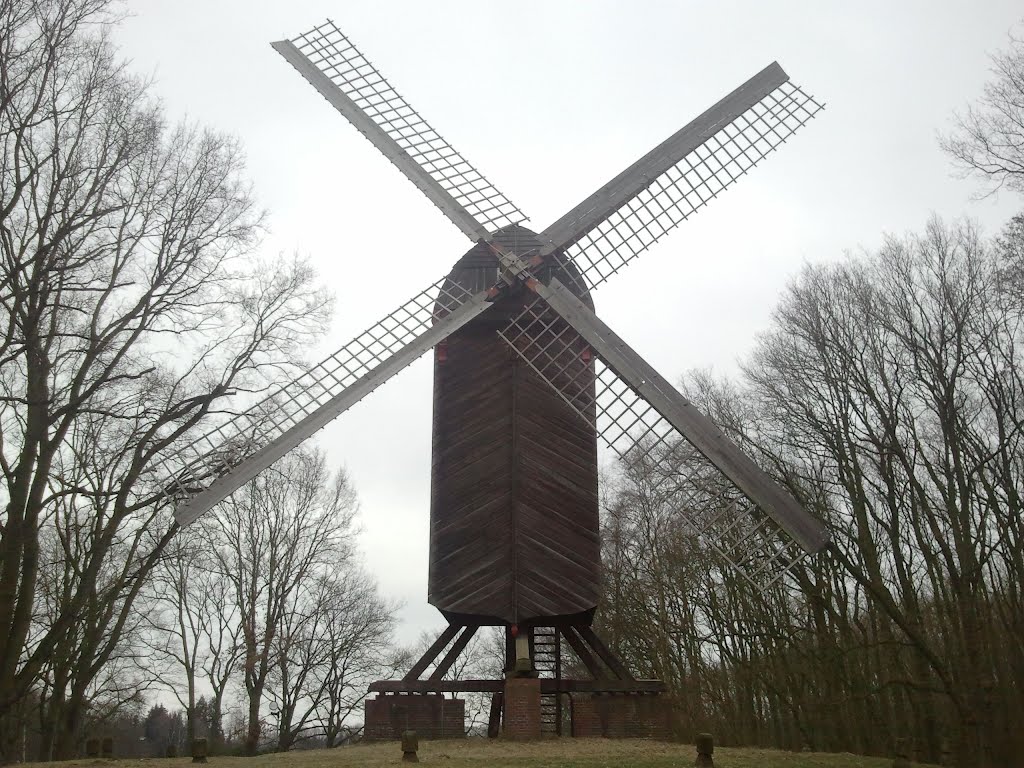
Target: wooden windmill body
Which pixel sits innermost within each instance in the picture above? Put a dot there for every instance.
(527, 380)
(513, 505)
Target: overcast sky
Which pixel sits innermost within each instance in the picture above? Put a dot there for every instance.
(550, 100)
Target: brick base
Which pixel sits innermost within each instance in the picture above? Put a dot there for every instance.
(432, 716)
(521, 719)
(621, 716)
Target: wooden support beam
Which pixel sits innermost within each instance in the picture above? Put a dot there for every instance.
(581, 650)
(428, 658)
(609, 658)
(454, 651)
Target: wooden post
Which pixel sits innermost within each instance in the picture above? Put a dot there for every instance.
(902, 759)
(199, 750)
(92, 747)
(945, 751)
(107, 747)
(705, 751)
(410, 744)
(494, 721)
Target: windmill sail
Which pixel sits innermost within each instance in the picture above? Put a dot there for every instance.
(347, 79)
(721, 494)
(680, 176)
(223, 459)
(591, 242)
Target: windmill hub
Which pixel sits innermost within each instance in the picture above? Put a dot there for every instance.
(481, 269)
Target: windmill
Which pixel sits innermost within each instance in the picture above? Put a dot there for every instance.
(527, 379)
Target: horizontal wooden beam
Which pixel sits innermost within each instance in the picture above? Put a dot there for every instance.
(547, 685)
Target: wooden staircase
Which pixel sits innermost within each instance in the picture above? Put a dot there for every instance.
(547, 660)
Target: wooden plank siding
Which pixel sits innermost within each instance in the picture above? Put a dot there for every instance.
(514, 503)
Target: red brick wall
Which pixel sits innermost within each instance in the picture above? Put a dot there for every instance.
(432, 716)
(586, 720)
(521, 718)
(621, 715)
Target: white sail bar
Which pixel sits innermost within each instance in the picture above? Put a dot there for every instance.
(354, 86)
(718, 492)
(217, 462)
(679, 177)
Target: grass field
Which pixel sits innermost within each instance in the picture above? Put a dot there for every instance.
(478, 753)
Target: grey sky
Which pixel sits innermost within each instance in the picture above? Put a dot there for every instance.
(549, 100)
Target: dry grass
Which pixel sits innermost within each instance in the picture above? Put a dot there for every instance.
(478, 753)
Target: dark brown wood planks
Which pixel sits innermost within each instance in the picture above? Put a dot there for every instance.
(514, 509)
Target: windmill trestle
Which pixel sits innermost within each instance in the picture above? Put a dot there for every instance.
(559, 679)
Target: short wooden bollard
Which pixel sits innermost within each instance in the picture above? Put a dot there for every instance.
(705, 751)
(945, 752)
(902, 759)
(199, 750)
(107, 747)
(92, 747)
(410, 743)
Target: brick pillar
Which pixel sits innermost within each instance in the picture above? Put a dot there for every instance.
(522, 708)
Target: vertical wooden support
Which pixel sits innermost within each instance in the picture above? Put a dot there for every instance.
(558, 676)
(494, 720)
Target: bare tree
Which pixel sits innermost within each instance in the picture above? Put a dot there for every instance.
(275, 540)
(888, 396)
(97, 661)
(894, 384)
(988, 141)
(194, 629)
(130, 310)
(357, 637)
(194, 633)
(224, 649)
(331, 645)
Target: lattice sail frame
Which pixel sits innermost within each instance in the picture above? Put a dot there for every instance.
(327, 58)
(331, 52)
(212, 454)
(709, 504)
(682, 190)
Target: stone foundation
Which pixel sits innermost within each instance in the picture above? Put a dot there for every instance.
(431, 715)
(521, 719)
(621, 715)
